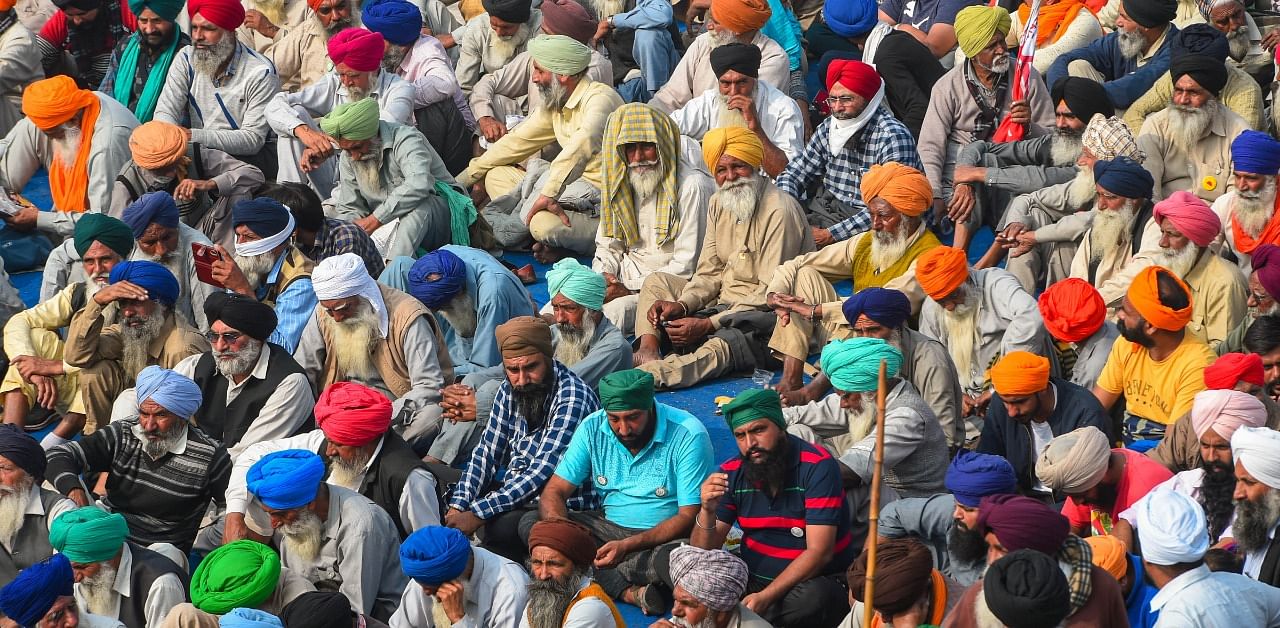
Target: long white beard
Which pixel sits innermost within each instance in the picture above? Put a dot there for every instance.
(888, 248)
(724, 37)
(353, 342)
(605, 8)
(13, 509)
(95, 283)
(861, 421)
(232, 363)
(575, 343)
(502, 49)
(304, 537)
(255, 267)
(1132, 44)
(1082, 190)
(1253, 210)
(644, 177)
(207, 61)
(67, 147)
(99, 592)
(348, 474)
(1238, 43)
(369, 176)
(1110, 229)
(460, 313)
(739, 197)
(962, 336)
(730, 117)
(1188, 125)
(172, 262)
(1064, 148)
(1180, 262)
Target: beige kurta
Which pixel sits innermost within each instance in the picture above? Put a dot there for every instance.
(694, 76)
(1114, 258)
(1241, 94)
(302, 56)
(291, 16)
(1208, 166)
(477, 57)
(509, 90)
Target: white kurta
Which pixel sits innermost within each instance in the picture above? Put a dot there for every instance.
(779, 115)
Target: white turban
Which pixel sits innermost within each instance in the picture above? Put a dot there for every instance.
(1257, 449)
(1076, 461)
(1171, 527)
(343, 276)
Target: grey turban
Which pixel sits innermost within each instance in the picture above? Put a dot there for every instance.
(1076, 461)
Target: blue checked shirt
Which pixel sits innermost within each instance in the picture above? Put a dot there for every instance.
(519, 461)
(340, 236)
(882, 140)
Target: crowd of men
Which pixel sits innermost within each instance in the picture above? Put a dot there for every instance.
(281, 372)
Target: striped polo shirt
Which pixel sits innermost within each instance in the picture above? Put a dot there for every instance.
(773, 529)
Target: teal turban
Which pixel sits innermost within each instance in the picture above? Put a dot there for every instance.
(89, 534)
(167, 9)
(577, 283)
(112, 232)
(853, 365)
(631, 389)
(559, 54)
(754, 404)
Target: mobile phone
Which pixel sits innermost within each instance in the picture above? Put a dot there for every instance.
(205, 255)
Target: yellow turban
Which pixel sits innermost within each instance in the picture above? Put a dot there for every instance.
(1110, 555)
(736, 141)
(904, 187)
(1019, 374)
(976, 25)
(941, 270)
(157, 144)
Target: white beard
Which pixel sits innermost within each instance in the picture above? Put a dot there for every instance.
(369, 175)
(347, 475)
(574, 345)
(606, 8)
(232, 363)
(1110, 229)
(1238, 43)
(724, 37)
(888, 248)
(1132, 44)
(98, 591)
(255, 267)
(644, 177)
(13, 509)
(730, 117)
(1253, 210)
(354, 340)
(1064, 148)
(739, 197)
(962, 336)
(172, 262)
(1180, 262)
(1188, 125)
(67, 147)
(304, 537)
(501, 49)
(95, 283)
(861, 421)
(460, 313)
(1082, 190)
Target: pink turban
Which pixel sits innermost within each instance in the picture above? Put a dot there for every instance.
(1225, 411)
(356, 48)
(1190, 216)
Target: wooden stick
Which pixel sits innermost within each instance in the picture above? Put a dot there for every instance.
(873, 511)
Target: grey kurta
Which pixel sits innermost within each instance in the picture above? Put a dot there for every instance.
(476, 56)
(230, 115)
(19, 67)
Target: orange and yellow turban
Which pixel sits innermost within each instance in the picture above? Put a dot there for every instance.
(1144, 294)
(1019, 374)
(1110, 555)
(736, 141)
(904, 187)
(941, 270)
(157, 144)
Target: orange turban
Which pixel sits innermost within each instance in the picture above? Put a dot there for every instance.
(904, 187)
(1144, 294)
(1019, 374)
(1110, 555)
(741, 16)
(5, 5)
(736, 141)
(52, 102)
(524, 335)
(1072, 310)
(157, 144)
(941, 270)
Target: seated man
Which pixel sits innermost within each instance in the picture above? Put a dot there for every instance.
(319, 237)
(534, 415)
(80, 137)
(1256, 450)
(644, 38)
(968, 104)
(42, 595)
(37, 373)
(267, 22)
(707, 586)
(140, 62)
(161, 471)
(860, 133)
(30, 509)
(728, 22)
(978, 315)
(78, 39)
(801, 291)
(652, 207)
(147, 333)
(21, 57)
(646, 461)
(752, 228)
(915, 450)
(301, 54)
(219, 88)
(1263, 283)
(803, 588)
(1128, 60)
(357, 74)
(1157, 366)
(1029, 409)
(268, 268)
(562, 591)
(1240, 93)
(470, 584)
(740, 99)
(204, 182)
(492, 39)
(236, 578)
(547, 203)
(1263, 339)
(1243, 37)
(1076, 318)
(912, 590)
(1121, 225)
(333, 537)
(1099, 482)
(116, 577)
(390, 178)
(1248, 212)
(163, 238)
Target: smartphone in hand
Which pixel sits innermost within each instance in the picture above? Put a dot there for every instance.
(205, 256)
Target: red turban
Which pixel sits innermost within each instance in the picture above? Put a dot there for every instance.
(941, 270)
(1231, 368)
(1072, 310)
(857, 76)
(351, 414)
(225, 14)
(1190, 216)
(356, 48)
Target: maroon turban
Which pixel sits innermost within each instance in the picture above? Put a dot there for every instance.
(567, 537)
(1023, 523)
(568, 18)
(356, 48)
(225, 14)
(1266, 262)
(352, 415)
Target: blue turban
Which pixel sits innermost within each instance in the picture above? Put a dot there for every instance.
(434, 293)
(1255, 152)
(853, 365)
(888, 307)
(398, 21)
(159, 283)
(33, 592)
(22, 450)
(435, 555)
(284, 480)
(1124, 177)
(973, 476)
(264, 216)
(176, 392)
(152, 207)
(577, 283)
(249, 618)
(851, 18)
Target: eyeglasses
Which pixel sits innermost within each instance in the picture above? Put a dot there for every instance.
(230, 337)
(843, 100)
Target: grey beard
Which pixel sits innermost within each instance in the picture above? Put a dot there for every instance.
(1001, 64)
(1082, 190)
(460, 313)
(304, 536)
(13, 508)
(606, 8)
(708, 621)
(1188, 125)
(644, 177)
(962, 340)
(724, 37)
(393, 57)
(232, 363)
(369, 176)
(356, 94)
(1253, 210)
(575, 342)
(554, 96)
(207, 61)
(155, 449)
(354, 340)
(348, 474)
(1271, 311)
(138, 338)
(1238, 43)
(337, 26)
(549, 599)
(861, 421)
(1064, 148)
(731, 117)
(739, 197)
(887, 248)
(1254, 521)
(255, 267)
(99, 591)
(1180, 261)
(502, 49)
(1132, 44)
(1111, 229)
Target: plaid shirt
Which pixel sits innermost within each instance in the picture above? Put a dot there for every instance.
(140, 73)
(882, 140)
(340, 236)
(519, 462)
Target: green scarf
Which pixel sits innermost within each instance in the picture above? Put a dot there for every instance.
(462, 213)
(155, 79)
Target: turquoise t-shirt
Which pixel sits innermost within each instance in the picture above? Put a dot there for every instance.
(784, 28)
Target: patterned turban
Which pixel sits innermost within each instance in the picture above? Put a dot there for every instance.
(155, 144)
(1109, 137)
(357, 48)
(1190, 216)
(972, 476)
(853, 365)
(288, 479)
(976, 25)
(903, 187)
(1225, 411)
(242, 573)
(1019, 374)
(1074, 462)
(634, 123)
(1144, 294)
(887, 307)
(88, 534)
(1072, 310)
(716, 578)
(1232, 368)
(352, 414)
(735, 141)
(941, 270)
(576, 282)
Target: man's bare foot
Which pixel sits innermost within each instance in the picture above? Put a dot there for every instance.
(644, 356)
(547, 254)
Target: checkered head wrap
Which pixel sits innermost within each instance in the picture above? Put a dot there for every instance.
(631, 123)
(716, 577)
(1108, 138)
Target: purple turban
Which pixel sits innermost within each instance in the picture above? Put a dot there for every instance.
(972, 476)
(450, 277)
(1023, 523)
(887, 307)
(1266, 263)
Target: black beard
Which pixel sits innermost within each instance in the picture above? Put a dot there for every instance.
(1216, 492)
(1254, 521)
(769, 474)
(532, 401)
(638, 441)
(1136, 335)
(967, 546)
(1105, 497)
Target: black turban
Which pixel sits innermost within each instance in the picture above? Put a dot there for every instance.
(1084, 97)
(1209, 73)
(246, 315)
(511, 11)
(904, 568)
(1026, 589)
(22, 450)
(318, 609)
(742, 58)
(1199, 39)
(1151, 13)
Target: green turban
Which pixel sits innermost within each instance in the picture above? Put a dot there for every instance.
(89, 534)
(754, 404)
(95, 227)
(243, 573)
(976, 25)
(853, 365)
(576, 282)
(559, 54)
(631, 389)
(352, 121)
(167, 9)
